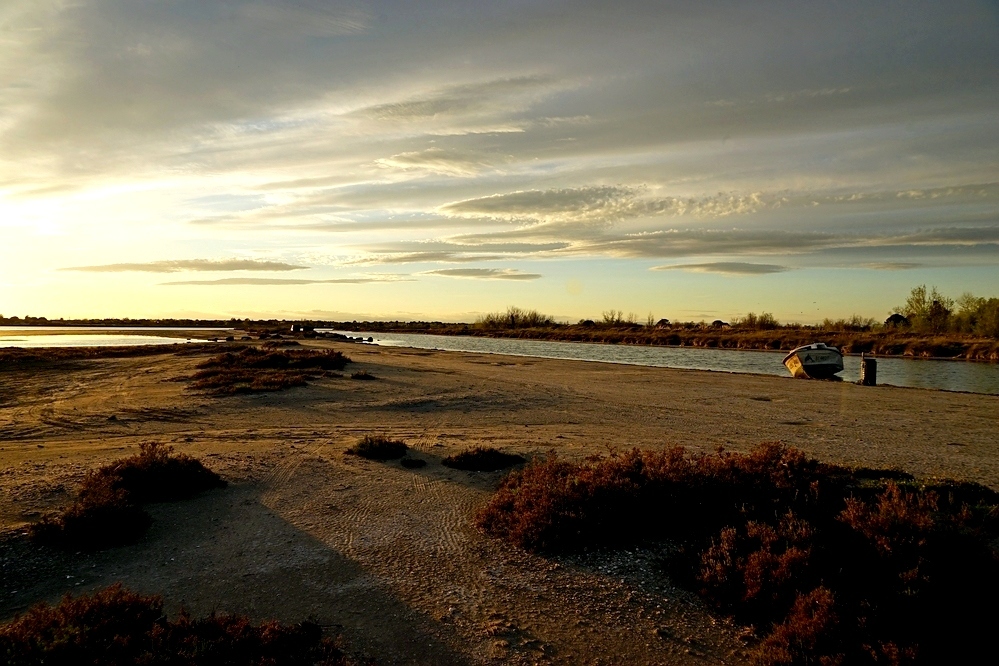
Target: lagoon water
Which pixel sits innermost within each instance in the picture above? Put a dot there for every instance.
(92, 340)
(95, 336)
(967, 376)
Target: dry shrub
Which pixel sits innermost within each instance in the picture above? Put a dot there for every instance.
(378, 447)
(555, 505)
(362, 375)
(776, 538)
(806, 636)
(253, 370)
(107, 511)
(413, 463)
(117, 627)
(758, 569)
(482, 459)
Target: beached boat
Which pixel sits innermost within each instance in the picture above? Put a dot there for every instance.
(814, 361)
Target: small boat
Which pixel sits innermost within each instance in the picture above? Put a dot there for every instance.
(814, 361)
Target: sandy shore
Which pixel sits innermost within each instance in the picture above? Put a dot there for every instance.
(388, 555)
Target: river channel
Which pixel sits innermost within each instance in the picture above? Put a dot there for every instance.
(969, 376)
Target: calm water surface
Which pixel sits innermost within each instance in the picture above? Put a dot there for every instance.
(94, 336)
(942, 375)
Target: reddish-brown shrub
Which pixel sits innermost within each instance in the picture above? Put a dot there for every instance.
(806, 636)
(482, 459)
(253, 370)
(759, 568)
(378, 447)
(773, 537)
(107, 510)
(116, 627)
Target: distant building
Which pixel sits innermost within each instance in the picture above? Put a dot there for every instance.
(897, 320)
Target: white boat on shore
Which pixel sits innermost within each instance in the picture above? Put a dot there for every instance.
(814, 361)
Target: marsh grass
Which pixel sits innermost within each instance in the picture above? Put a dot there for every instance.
(108, 508)
(831, 565)
(378, 447)
(253, 370)
(117, 627)
(482, 459)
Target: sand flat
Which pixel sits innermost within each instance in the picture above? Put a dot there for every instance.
(389, 555)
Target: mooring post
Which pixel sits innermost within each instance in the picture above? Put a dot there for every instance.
(868, 371)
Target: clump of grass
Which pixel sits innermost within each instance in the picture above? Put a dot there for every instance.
(362, 374)
(253, 370)
(117, 627)
(413, 463)
(378, 447)
(832, 565)
(108, 512)
(482, 459)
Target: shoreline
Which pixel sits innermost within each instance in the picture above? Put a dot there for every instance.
(881, 343)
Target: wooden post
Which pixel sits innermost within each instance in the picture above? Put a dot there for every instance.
(868, 371)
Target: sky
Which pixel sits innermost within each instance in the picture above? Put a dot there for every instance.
(440, 160)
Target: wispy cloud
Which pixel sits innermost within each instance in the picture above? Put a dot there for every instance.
(891, 265)
(286, 281)
(181, 265)
(460, 164)
(316, 19)
(460, 100)
(484, 273)
(726, 268)
(602, 204)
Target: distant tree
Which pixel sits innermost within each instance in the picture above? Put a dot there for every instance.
(515, 317)
(927, 310)
(762, 322)
(613, 317)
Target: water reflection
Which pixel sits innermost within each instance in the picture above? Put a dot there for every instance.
(92, 340)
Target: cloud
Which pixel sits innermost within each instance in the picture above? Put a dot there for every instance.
(725, 268)
(438, 161)
(602, 204)
(460, 100)
(316, 19)
(425, 257)
(891, 265)
(181, 265)
(285, 281)
(484, 273)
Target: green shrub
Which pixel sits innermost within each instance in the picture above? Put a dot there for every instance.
(116, 627)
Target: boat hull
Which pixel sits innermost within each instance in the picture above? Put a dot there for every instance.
(814, 363)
